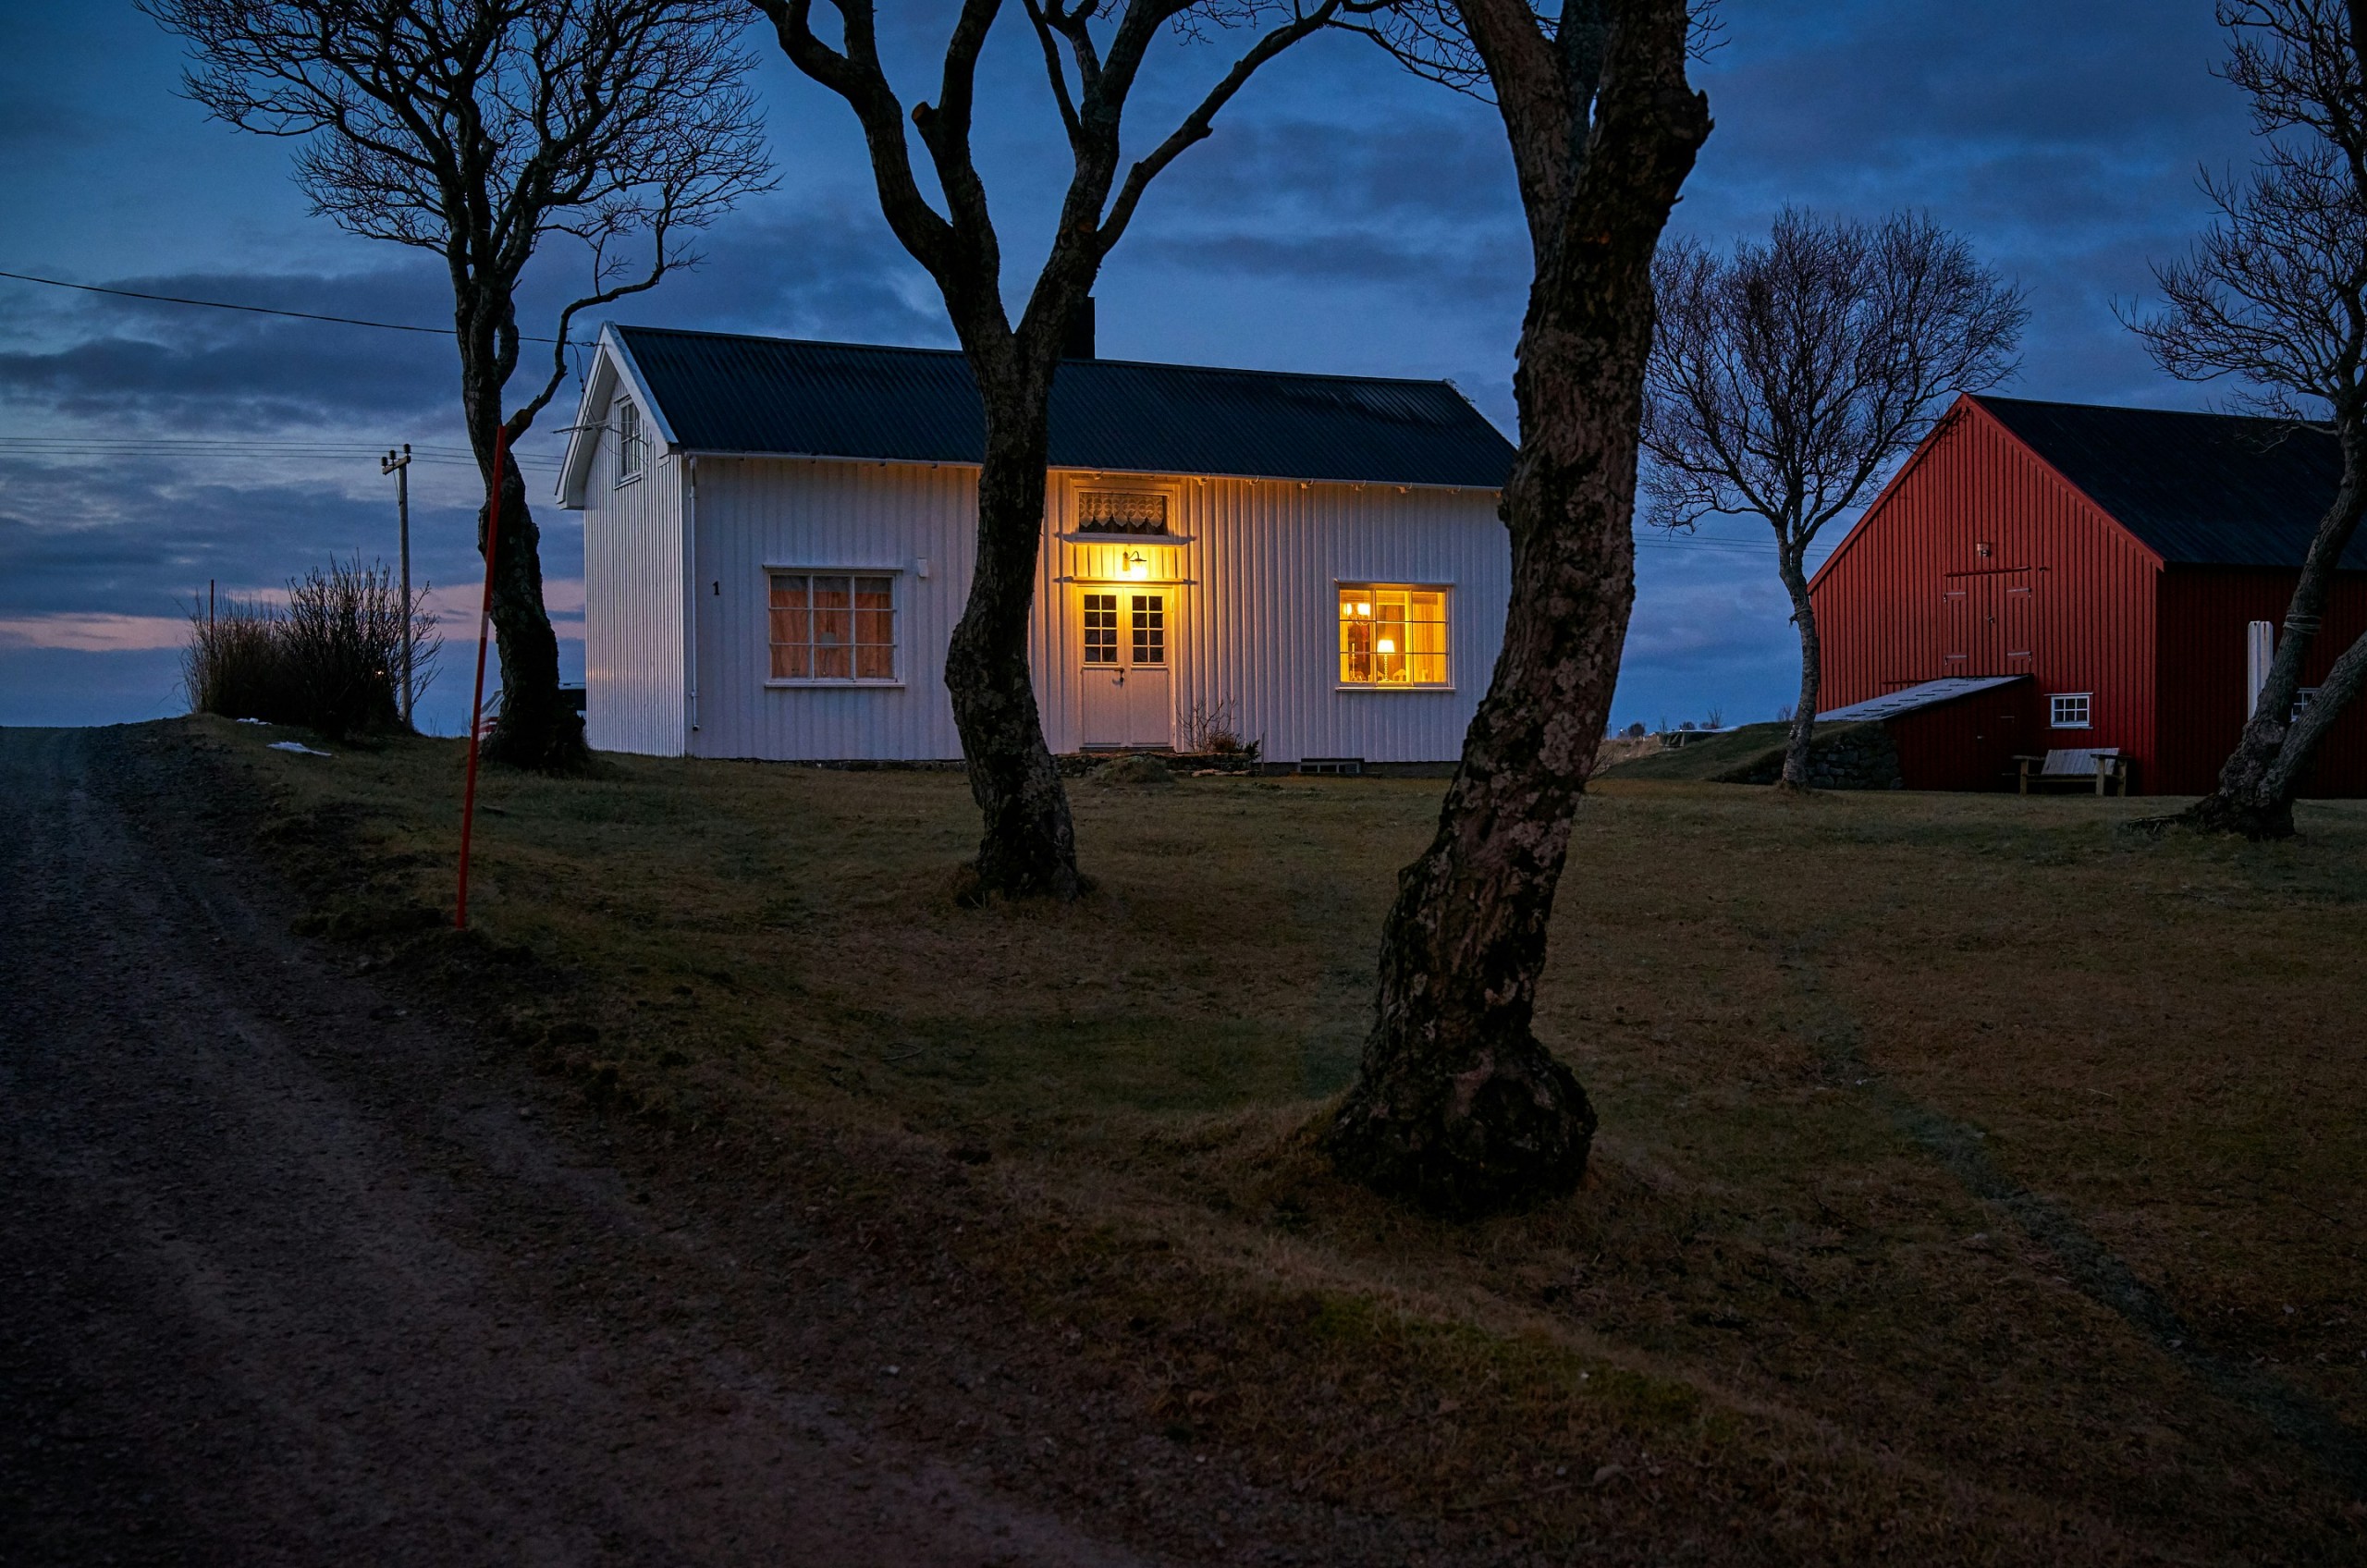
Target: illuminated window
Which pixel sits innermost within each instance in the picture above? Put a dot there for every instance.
(2068, 710)
(1392, 636)
(1150, 628)
(630, 445)
(827, 626)
(1101, 629)
(1121, 511)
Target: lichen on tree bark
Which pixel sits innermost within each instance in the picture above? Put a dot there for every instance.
(1457, 1106)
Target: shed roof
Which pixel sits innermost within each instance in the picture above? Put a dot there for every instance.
(1912, 699)
(722, 393)
(2198, 489)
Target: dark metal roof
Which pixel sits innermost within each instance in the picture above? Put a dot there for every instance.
(2198, 489)
(720, 393)
(1914, 699)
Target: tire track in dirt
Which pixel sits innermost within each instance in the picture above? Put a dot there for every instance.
(250, 1307)
(2094, 1269)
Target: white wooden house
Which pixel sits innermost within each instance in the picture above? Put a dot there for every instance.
(778, 539)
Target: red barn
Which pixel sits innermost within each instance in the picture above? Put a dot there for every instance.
(2044, 575)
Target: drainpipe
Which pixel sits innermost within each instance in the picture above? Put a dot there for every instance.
(691, 589)
(2260, 652)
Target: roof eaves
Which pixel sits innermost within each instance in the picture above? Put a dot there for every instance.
(746, 456)
(1914, 460)
(616, 336)
(582, 436)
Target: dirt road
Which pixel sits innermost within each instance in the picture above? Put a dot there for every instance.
(291, 1273)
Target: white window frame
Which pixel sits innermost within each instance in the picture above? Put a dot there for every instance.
(896, 607)
(2054, 701)
(2303, 697)
(632, 445)
(1446, 593)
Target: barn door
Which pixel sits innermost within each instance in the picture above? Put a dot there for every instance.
(1992, 622)
(2019, 622)
(1955, 659)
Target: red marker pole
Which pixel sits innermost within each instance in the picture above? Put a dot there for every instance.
(476, 707)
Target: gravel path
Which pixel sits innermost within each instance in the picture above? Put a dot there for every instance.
(281, 1265)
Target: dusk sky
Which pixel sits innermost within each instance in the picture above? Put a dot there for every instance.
(1345, 217)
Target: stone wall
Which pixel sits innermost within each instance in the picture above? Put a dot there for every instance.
(1857, 756)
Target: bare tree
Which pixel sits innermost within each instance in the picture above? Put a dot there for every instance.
(1788, 379)
(2276, 295)
(1095, 53)
(476, 128)
(1456, 1104)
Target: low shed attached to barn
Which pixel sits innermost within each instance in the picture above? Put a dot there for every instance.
(779, 538)
(2055, 576)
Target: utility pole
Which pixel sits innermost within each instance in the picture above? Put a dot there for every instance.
(400, 468)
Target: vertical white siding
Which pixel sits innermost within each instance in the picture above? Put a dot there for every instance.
(633, 638)
(1256, 614)
(751, 514)
(1253, 609)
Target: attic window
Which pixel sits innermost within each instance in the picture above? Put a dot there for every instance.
(630, 444)
(1121, 511)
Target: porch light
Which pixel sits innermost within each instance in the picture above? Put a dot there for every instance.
(1134, 563)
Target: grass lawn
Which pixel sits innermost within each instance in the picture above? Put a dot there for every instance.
(1978, 1180)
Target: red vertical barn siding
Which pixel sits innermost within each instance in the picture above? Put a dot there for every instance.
(1971, 742)
(2205, 611)
(1883, 607)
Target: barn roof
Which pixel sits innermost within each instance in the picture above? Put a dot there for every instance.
(2198, 489)
(722, 393)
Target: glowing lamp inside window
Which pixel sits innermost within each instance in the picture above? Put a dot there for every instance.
(1386, 645)
(1364, 609)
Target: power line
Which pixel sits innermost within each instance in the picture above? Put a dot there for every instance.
(250, 309)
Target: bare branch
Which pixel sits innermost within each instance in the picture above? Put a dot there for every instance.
(479, 130)
(1786, 380)
(1201, 122)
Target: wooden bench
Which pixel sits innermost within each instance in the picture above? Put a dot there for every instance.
(2102, 766)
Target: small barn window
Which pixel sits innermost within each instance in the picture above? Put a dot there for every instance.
(2068, 710)
(832, 627)
(1392, 636)
(1121, 511)
(630, 446)
(2302, 701)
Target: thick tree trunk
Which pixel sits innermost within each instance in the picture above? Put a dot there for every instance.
(1457, 1106)
(533, 728)
(1796, 748)
(1028, 846)
(2254, 795)
(2335, 693)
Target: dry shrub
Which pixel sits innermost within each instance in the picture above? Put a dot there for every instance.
(1213, 730)
(234, 664)
(332, 661)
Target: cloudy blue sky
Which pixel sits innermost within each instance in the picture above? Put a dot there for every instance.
(1345, 218)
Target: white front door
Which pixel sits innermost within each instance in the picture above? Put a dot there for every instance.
(1125, 643)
